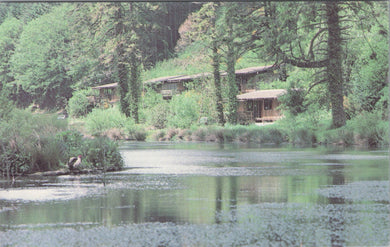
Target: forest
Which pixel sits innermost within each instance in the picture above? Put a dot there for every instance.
(332, 58)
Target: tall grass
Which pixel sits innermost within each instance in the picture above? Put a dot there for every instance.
(113, 124)
(27, 143)
(102, 120)
(39, 142)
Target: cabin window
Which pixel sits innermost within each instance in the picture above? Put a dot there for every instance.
(170, 86)
(249, 105)
(268, 104)
(108, 93)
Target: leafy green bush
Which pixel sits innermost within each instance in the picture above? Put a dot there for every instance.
(369, 127)
(39, 142)
(184, 110)
(100, 120)
(157, 116)
(155, 109)
(27, 144)
(102, 153)
(136, 132)
(79, 105)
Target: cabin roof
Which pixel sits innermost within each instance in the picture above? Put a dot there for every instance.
(163, 79)
(111, 85)
(186, 78)
(262, 94)
(255, 70)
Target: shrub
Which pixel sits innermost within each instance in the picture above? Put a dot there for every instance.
(136, 132)
(155, 109)
(38, 142)
(102, 153)
(369, 127)
(184, 110)
(27, 143)
(274, 135)
(157, 116)
(100, 120)
(48, 154)
(79, 105)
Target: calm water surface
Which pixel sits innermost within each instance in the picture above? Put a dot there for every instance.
(207, 195)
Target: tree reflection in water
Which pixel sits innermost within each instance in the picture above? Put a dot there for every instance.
(336, 206)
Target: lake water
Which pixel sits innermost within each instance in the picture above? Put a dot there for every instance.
(206, 194)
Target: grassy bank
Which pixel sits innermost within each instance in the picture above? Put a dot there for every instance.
(366, 129)
(31, 142)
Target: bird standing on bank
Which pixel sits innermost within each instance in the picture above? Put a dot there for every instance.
(74, 162)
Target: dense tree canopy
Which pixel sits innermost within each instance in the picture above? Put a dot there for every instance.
(336, 51)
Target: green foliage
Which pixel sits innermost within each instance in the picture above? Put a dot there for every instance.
(72, 141)
(184, 110)
(154, 111)
(369, 127)
(37, 142)
(27, 142)
(102, 153)
(100, 120)
(368, 71)
(157, 116)
(10, 31)
(79, 105)
(42, 56)
(294, 99)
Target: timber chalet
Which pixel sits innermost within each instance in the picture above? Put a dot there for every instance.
(254, 105)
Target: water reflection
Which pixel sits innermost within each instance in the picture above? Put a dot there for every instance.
(336, 211)
(267, 195)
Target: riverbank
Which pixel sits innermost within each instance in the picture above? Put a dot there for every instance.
(37, 142)
(276, 133)
(367, 129)
(41, 142)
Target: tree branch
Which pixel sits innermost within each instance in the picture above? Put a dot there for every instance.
(307, 64)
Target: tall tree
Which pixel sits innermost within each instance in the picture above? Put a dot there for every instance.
(121, 58)
(334, 66)
(216, 61)
(10, 31)
(121, 54)
(309, 36)
(41, 59)
(204, 29)
(230, 56)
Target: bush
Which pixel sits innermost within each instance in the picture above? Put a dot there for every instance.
(39, 142)
(369, 127)
(79, 105)
(136, 132)
(155, 110)
(157, 116)
(27, 144)
(101, 120)
(184, 110)
(102, 153)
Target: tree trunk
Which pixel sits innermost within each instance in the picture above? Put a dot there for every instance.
(121, 60)
(217, 84)
(231, 74)
(232, 86)
(334, 67)
(135, 90)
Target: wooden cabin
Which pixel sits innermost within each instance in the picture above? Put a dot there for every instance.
(259, 106)
(248, 78)
(172, 85)
(108, 94)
